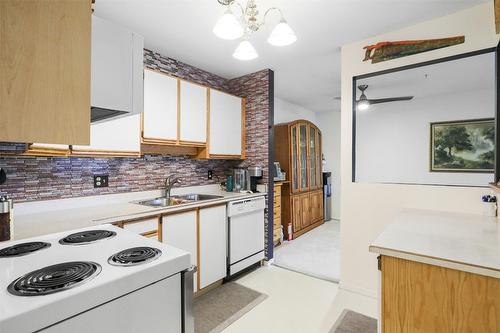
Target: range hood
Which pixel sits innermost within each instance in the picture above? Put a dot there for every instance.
(117, 79)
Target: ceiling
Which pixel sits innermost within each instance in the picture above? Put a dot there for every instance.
(448, 78)
(307, 73)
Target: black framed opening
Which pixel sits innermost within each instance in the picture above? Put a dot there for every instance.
(357, 78)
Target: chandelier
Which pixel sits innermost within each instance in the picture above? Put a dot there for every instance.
(231, 27)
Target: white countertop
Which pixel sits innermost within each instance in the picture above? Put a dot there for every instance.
(45, 217)
(465, 242)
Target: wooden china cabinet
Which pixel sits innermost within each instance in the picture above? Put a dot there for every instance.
(297, 147)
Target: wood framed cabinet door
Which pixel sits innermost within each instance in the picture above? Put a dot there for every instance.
(45, 71)
(296, 213)
(423, 298)
(316, 206)
(294, 157)
(303, 157)
(305, 203)
(313, 154)
(319, 160)
(115, 137)
(213, 239)
(226, 125)
(193, 112)
(160, 118)
(180, 231)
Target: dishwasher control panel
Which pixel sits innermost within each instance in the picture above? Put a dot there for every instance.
(245, 206)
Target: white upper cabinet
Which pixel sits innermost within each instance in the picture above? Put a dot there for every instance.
(117, 62)
(160, 106)
(115, 135)
(193, 112)
(226, 119)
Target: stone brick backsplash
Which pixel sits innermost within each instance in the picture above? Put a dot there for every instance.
(41, 178)
(255, 87)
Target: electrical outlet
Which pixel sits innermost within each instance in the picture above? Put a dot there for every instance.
(100, 181)
(210, 174)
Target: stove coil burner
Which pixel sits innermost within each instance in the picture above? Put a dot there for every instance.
(86, 237)
(134, 256)
(55, 278)
(22, 249)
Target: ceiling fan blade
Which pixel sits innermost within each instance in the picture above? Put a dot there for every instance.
(390, 99)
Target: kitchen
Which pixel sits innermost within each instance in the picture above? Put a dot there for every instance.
(169, 123)
(145, 175)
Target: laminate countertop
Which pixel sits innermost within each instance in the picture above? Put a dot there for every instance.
(465, 242)
(39, 218)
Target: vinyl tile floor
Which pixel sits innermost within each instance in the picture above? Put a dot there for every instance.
(296, 303)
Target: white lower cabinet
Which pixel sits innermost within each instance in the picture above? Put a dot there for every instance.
(179, 230)
(212, 245)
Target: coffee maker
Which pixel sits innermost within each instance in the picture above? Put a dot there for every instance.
(253, 175)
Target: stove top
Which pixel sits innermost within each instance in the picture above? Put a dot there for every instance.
(55, 278)
(83, 272)
(87, 237)
(22, 249)
(134, 256)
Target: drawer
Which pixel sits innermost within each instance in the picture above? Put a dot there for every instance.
(277, 190)
(277, 233)
(277, 222)
(277, 201)
(277, 212)
(142, 227)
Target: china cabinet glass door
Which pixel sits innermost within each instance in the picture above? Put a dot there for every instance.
(295, 159)
(303, 163)
(319, 162)
(313, 151)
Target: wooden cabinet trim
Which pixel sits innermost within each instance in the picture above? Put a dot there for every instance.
(243, 127)
(198, 283)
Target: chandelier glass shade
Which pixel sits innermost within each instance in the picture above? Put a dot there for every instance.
(231, 27)
(282, 35)
(245, 51)
(228, 27)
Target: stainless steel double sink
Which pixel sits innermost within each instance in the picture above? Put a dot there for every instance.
(176, 200)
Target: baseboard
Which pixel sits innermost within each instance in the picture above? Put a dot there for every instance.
(268, 263)
(358, 290)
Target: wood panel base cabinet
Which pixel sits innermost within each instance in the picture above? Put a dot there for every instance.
(422, 298)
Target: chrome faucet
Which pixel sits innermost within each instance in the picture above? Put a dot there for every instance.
(169, 183)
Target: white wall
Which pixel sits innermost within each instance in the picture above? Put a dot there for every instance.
(329, 124)
(366, 209)
(393, 139)
(285, 112)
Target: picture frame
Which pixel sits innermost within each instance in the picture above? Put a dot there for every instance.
(463, 146)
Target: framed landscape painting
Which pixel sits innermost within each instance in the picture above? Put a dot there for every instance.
(463, 146)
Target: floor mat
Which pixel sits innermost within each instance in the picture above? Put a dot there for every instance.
(354, 322)
(219, 308)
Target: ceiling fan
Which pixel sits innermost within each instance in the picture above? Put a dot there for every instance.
(364, 102)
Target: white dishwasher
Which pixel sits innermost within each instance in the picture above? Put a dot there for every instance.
(245, 233)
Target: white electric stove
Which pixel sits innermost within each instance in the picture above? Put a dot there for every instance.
(100, 279)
